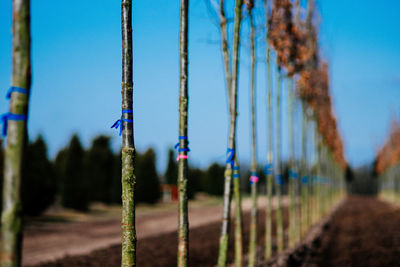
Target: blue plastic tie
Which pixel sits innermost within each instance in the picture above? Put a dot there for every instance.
(11, 117)
(236, 168)
(16, 89)
(304, 179)
(279, 179)
(236, 175)
(293, 174)
(119, 123)
(230, 152)
(182, 149)
(268, 169)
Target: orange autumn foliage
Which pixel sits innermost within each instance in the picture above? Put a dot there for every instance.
(313, 89)
(290, 41)
(389, 153)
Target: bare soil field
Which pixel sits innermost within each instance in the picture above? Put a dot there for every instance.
(161, 250)
(156, 230)
(363, 232)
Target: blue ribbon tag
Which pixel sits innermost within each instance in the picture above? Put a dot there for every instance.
(230, 153)
(11, 117)
(279, 179)
(293, 174)
(119, 124)
(17, 90)
(268, 169)
(304, 179)
(182, 149)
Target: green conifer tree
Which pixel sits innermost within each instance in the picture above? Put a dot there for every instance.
(38, 181)
(148, 183)
(75, 186)
(116, 187)
(99, 163)
(172, 168)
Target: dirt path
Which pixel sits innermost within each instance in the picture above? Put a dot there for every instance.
(52, 241)
(364, 232)
(160, 250)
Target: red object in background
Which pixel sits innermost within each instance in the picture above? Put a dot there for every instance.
(174, 193)
(169, 192)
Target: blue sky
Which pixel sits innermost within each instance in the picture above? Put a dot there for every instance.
(76, 58)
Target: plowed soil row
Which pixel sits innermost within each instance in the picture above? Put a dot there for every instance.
(363, 232)
(161, 250)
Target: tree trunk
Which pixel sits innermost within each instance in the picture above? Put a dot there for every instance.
(11, 220)
(224, 237)
(183, 221)
(279, 179)
(304, 177)
(128, 145)
(225, 49)
(268, 168)
(292, 175)
(253, 168)
(238, 216)
(236, 174)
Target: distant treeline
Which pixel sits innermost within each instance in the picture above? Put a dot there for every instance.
(79, 176)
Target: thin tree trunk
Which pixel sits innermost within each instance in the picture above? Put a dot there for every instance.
(279, 179)
(225, 49)
(11, 220)
(292, 175)
(304, 179)
(224, 238)
(319, 196)
(297, 183)
(269, 166)
(253, 168)
(183, 222)
(128, 145)
(236, 181)
(238, 216)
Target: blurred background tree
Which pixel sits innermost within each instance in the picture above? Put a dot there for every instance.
(148, 183)
(213, 182)
(39, 185)
(99, 169)
(74, 184)
(116, 186)
(79, 177)
(171, 174)
(196, 175)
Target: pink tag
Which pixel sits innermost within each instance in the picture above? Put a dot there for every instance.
(254, 179)
(181, 157)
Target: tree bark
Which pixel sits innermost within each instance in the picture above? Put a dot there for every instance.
(225, 48)
(253, 168)
(224, 237)
(269, 166)
(11, 220)
(238, 216)
(304, 177)
(128, 145)
(292, 176)
(236, 181)
(183, 221)
(279, 179)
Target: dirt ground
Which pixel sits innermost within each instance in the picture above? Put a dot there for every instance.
(364, 232)
(45, 242)
(161, 250)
